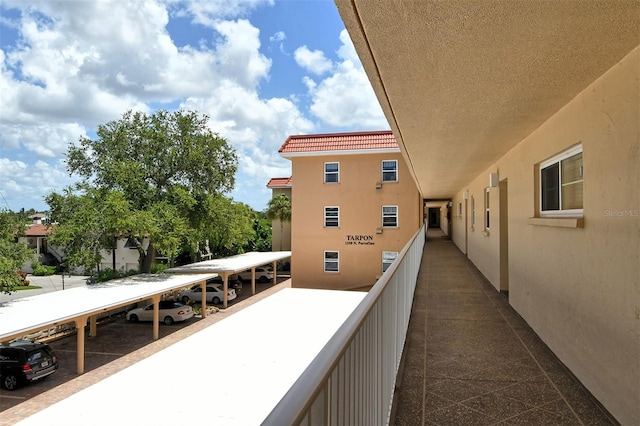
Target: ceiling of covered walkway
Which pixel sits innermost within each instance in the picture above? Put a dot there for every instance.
(462, 82)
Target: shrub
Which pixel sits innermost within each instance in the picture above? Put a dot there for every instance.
(107, 274)
(158, 268)
(41, 270)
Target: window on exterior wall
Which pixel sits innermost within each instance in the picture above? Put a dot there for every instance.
(331, 172)
(332, 261)
(387, 259)
(331, 217)
(131, 243)
(390, 171)
(473, 211)
(486, 209)
(561, 180)
(389, 216)
(460, 208)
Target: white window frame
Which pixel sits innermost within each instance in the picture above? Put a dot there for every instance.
(473, 211)
(329, 217)
(388, 257)
(487, 208)
(396, 215)
(331, 173)
(394, 171)
(557, 159)
(332, 260)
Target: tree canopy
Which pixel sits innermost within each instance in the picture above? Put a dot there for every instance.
(160, 177)
(12, 254)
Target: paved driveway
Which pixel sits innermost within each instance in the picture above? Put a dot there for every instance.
(47, 284)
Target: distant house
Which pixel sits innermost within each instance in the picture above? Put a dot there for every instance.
(38, 218)
(35, 237)
(124, 257)
(280, 235)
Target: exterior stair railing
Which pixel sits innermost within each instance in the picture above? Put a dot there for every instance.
(52, 250)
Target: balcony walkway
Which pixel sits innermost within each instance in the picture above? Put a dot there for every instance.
(470, 359)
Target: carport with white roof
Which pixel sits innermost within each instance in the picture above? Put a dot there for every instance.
(281, 335)
(24, 316)
(228, 266)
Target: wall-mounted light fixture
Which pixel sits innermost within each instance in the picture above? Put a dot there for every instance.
(465, 195)
(379, 231)
(493, 180)
(378, 185)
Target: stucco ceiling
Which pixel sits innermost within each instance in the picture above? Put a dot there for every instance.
(463, 82)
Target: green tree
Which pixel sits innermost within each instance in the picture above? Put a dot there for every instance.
(262, 228)
(156, 176)
(279, 208)
(12, 253)
(86, 222)
(228, 226)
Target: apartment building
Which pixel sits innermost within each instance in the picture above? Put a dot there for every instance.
(280, 231)
(355, 205)
(526, 115)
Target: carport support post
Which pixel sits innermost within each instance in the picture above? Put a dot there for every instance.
(80, 322)
(253, 280)
(156, 316)
(203, 300)
(93, 326)
(225, 289)
(273, 267)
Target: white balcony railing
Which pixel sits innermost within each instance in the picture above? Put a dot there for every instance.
(352, 379)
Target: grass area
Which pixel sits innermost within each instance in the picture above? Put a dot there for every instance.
(26, 287)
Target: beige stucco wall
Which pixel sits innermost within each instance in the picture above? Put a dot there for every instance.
(281, 235)
(360, 214)
(579, 288)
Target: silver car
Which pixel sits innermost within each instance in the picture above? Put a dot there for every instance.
(170, 312)
(214, 294)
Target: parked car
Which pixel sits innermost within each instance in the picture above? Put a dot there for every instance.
(24, 361)
(214, 294)
(263, 275)
(170, 311)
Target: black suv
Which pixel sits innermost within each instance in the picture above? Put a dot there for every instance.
(24, 361)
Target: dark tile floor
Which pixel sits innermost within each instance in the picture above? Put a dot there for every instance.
(470, 359)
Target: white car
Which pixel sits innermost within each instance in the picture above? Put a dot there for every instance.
(263, 275)
(170, 312)
(214, 294)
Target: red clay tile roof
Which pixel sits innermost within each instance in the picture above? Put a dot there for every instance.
(339, 142)
(37, 230)
(279, 182)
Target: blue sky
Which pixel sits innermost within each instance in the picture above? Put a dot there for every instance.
(260, 69)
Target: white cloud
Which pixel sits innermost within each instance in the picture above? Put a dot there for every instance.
(255, 127)
(45, 140)
(239, 56)
(207, 12)
(278, 39)
(24, 185)
(345, 99)
(94, 60)
(314, 61)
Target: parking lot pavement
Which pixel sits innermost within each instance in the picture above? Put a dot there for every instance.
(117, 345)
(47, 284)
